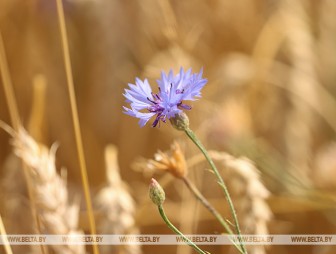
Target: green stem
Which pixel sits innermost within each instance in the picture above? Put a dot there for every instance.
(198, 143)
(172, 227)
(208, 206)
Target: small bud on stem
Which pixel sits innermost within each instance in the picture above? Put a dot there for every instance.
(180, 121)
(156, 193)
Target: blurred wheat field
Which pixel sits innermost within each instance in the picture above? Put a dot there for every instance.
(267, 114)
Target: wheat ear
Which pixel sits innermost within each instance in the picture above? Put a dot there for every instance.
(249, 195)
(56, 214)
(115, 206)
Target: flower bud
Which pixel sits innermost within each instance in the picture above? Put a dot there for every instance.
(180, 121)
(156, 193)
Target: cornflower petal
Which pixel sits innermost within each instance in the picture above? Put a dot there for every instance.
(168, 102)
(144, 117)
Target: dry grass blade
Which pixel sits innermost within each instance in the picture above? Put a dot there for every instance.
(74, 112)
(56, 213)
(4, 237)
(8, 87)
(14, 115)
(35, 125)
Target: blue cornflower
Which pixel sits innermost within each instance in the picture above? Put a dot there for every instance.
(168, 102)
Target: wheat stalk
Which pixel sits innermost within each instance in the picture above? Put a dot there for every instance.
(74, 113)
(14, 115)
(8, 86)
(4, 237)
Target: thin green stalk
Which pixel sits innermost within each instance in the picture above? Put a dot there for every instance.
(208, 206)
(172, 227)
(221, 182)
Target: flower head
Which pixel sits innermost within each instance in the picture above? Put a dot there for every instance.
(169, 101)
(172, 161)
